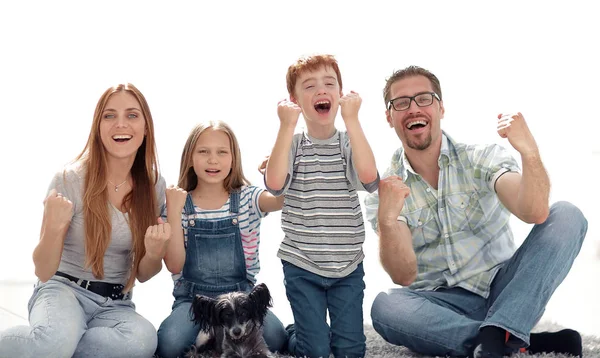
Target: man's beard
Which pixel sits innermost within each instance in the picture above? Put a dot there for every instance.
(421, 145)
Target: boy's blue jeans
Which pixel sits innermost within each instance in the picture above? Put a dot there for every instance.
(447, 321)
(311, 296)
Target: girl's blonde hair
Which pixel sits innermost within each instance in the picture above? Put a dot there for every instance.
(187, 177)
(140, 203)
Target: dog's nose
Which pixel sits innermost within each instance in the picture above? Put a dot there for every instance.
(237, 331)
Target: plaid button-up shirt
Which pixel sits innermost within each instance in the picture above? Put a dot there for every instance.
(460, 231)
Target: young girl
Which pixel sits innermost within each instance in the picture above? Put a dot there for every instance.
(98, 235)
(216, 250)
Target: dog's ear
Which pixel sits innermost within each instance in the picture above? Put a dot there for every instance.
(261, 299)
(203, 312)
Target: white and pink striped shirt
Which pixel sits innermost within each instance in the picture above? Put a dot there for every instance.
(249, 218)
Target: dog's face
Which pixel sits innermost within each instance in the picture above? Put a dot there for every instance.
(238, 313)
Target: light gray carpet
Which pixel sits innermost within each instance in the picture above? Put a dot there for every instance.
(377, 347)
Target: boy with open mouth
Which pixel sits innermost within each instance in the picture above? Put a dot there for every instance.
(320, 172)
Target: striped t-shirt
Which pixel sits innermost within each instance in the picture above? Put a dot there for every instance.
(321, 216)
(248, 220)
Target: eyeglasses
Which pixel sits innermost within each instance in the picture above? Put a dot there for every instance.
(421, 100)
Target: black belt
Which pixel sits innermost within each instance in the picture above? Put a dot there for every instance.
(104, 289)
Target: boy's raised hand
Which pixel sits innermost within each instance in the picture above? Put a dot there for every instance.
(288, 112)
(175, 199)
(350, 104)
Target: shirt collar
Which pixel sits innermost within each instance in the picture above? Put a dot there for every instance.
(446, 155)
(446, 144)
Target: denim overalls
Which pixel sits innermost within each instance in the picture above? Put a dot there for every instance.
(214, 259)
(214, 264)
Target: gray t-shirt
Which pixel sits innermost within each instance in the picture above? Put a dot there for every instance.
(117, 259)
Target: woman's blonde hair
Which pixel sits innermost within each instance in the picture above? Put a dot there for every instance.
(187, 177)
(140, 203)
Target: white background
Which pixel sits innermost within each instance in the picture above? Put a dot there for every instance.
(228, 60)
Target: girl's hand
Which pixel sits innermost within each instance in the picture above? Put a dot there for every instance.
(175, 199)
(263, 165)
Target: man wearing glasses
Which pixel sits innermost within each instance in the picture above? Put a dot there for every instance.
(442, 215)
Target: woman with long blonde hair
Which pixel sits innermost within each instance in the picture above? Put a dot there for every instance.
(99, 234)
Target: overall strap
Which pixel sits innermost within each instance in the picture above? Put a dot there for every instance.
(189, 205)
(234, 201)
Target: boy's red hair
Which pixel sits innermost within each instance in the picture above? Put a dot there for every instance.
(309, 64)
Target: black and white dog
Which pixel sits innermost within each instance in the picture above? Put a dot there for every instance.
(231, 325)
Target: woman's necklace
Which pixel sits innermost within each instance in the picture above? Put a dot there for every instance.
(117, 186)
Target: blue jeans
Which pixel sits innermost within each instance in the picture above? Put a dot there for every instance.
(447, 321)
(177, 333)
(67, 320)
(311, 296)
